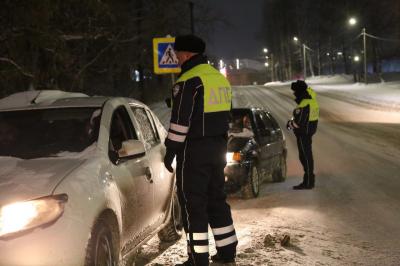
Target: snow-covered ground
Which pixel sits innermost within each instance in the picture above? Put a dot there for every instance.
(352, 216)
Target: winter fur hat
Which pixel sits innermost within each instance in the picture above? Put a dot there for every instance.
(299, 86)
(189, 43)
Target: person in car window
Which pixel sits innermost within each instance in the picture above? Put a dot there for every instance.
(197, 136)
(304, 124)
(246, 130)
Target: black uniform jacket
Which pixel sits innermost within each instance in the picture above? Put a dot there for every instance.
(301, 122)
(188, 119)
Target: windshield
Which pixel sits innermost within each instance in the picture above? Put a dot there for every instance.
(30, 134)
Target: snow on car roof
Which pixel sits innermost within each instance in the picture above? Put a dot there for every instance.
(53, 99)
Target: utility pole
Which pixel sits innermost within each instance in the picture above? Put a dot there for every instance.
(191, 5)
(272, 68)
(365, 55)
(304, 62)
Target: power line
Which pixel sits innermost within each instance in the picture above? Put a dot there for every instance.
(381, 39)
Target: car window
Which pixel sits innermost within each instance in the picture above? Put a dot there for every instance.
(273, 120)
(147, 129)
(260, 121)
(267, 121)
(239, 121)
(262, 127)
(121, 129)
(153, 124)
(58, 132)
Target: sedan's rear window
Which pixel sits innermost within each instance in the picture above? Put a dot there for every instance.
(41, 133)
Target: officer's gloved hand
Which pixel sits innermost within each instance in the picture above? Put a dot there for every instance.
(168, 159)
(289, 125)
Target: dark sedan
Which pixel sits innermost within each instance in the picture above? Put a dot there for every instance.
(256, 151)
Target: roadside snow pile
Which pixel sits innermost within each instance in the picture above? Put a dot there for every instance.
(380, 95)
(277, 83)
(334, 79)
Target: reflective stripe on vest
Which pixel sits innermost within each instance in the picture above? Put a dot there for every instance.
(314, 108)
(217, 90)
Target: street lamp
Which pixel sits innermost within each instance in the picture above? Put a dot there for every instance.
(356, 58)
(265, 50)
(352, 21)
(266, 64)
(305, 48)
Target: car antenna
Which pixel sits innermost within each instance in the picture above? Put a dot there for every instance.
(34, 99)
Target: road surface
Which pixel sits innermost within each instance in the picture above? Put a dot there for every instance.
(352, 217)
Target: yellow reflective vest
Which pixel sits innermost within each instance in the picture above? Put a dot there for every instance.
(217, 90)
(314, 107)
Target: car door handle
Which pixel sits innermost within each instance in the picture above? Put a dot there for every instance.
(149, 175)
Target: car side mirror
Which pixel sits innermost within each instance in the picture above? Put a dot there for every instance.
(168, 102)
(131, 148)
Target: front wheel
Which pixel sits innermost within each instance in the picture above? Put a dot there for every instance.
(252, 187)
(173, 230)
(102, 249)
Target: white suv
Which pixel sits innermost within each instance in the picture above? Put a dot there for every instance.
(82, 179)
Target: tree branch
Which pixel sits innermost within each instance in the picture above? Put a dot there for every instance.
(19, 68)
(95, 59)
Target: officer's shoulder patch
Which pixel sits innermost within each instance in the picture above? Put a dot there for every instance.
(175, 90)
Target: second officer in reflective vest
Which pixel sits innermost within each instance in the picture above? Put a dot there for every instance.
(304, 124)
(197, 136)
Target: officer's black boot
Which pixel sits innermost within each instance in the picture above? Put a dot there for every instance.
(222, 261)
(302, 185)
(312, 181)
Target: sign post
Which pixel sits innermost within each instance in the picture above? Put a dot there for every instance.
(164, 57)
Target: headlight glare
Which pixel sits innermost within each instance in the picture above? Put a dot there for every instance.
(233, 157)
(21, 216)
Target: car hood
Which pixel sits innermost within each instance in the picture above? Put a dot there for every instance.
(29, 179)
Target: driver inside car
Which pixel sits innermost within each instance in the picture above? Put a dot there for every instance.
(244, 124)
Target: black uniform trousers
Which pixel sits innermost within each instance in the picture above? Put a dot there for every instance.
(200, 182)
(304, 145)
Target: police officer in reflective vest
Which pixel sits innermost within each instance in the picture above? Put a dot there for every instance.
(197, 136)
(304, 124)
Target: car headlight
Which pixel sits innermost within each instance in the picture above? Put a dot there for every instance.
(233, 157)
(25, 215)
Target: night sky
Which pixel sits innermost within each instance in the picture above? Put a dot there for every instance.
(239, 39)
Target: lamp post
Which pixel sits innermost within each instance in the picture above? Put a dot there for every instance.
(267, 64)
(305, 48)
(365, 54)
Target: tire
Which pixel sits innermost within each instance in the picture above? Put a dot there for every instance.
(103, 246)
(173, 230)
(279, 174)
(252, 188)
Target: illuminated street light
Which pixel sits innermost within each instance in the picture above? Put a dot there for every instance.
(267, 57)
(266, 64)
(352, 21)
(339, 53)
(221, 64)
(237, 64)
(265, 50)
(356, 58)
(295, 39)
(328, 54)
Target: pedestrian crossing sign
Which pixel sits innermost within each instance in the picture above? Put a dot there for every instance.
(164, 57)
